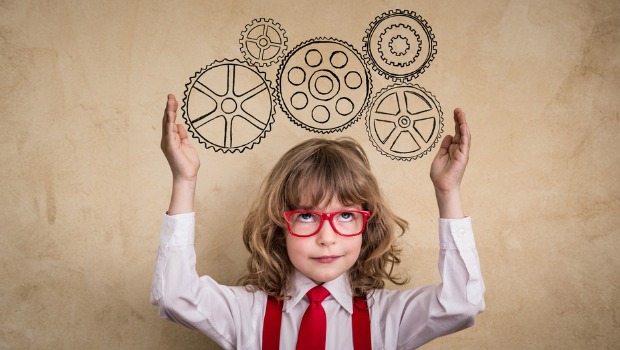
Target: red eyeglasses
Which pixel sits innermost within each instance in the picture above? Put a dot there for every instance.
(306, 223)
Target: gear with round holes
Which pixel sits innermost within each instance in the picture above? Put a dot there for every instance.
(229, 106)
(263, 42)
(404, 121)
(323, 85)
(399, 45)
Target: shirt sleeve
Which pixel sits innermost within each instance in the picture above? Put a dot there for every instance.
(228, 315)
(411, 318)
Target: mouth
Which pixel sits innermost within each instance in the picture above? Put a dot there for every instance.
(326, 259)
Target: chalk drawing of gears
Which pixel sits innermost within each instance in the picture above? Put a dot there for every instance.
(324, 85)
(263, 42)
(229, 106)
(399, 45)
(404, 121)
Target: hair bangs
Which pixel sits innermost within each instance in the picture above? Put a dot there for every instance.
(323, 176)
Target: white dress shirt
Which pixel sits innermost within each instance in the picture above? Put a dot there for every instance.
(233, 316)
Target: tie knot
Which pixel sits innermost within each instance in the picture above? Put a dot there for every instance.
(318, 294)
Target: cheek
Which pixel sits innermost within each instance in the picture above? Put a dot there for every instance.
(294, 247)
(354, 245)
(358, 245)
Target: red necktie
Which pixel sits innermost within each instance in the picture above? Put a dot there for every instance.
(314, 322)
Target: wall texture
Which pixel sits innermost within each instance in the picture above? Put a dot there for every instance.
(84, 184)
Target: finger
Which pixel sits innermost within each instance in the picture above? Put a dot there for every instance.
(458, 115)
(461, 127)
(465, 133)
(169, 114)
(464, 143)
(171, 109)
(445, 145)
(182, 132)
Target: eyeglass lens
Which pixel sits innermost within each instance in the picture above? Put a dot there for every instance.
(307, 223)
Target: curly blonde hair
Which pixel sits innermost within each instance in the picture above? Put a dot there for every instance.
(316, 170)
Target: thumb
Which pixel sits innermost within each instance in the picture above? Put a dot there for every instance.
(445, 145)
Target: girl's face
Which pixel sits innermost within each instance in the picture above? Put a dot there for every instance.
(326, 255)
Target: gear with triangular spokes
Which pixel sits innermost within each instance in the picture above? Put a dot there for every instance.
(404, 121)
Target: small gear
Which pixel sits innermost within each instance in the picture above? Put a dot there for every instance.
(323, 85)
(404, 121)
(391, 30)
(395, 45)
(229, 106)
(399, 45)
(263, 42)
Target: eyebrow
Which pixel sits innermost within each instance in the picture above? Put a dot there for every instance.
(343, 208)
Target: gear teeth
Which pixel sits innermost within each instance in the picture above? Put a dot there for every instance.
(280, 73)
(429, 147)
(207, 144)
(395, 63)
(398, 71)
(268, 23)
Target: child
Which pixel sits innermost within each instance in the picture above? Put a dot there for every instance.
(320, 220)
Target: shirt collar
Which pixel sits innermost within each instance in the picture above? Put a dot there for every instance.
(339, 288)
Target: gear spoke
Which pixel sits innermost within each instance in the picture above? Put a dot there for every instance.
(252, 120)
(402, 102)
(230, 82)
(424, 115)
(205, 90)
(391, 139)
(252, 92)
(211, 119)
(228, 133)
(259, 35)
(207, 121)
(412, 132)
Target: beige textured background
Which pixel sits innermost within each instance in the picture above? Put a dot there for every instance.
(83, 84)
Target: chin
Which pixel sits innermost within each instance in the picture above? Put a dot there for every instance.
(324, 278)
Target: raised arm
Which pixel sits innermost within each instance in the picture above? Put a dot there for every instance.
(449, 166)
(432, 311)
(183, 160)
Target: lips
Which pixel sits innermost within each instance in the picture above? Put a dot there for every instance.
(326, 259)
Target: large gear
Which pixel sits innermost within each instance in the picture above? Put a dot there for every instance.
(229, 106)
(404, 121)
(399, 45)
(323, 85)
(263, 42)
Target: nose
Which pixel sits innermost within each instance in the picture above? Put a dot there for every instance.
(326, 235)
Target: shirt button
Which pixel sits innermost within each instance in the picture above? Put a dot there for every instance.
(461, 233)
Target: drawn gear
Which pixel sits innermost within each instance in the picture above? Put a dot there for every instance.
(263, 42)
(323, 85)
(229, 106)
(395, 45)
(399, 45)
(404, 121)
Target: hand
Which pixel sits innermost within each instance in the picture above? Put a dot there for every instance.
(449, 164)
(181, 155)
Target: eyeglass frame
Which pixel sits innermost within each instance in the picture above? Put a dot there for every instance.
(325, 216)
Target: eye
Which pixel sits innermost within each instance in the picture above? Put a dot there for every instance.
(306, 217)
(346, 216)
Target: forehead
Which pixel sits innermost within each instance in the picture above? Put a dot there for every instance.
(330, 202)
(317, 185)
